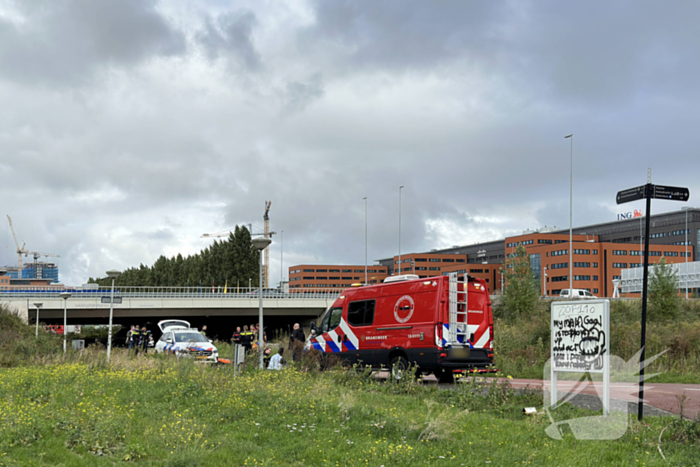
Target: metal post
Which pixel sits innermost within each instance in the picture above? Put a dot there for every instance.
(544, 280)
(641, 241)
(571, 219)
(112, 274)
(686, 254)
(260, 316)
(64, 296)
(281, 258)
(640, 403)
(365, 198)
(400, 228)
(260, 244)
(111, 313)
(37, 305)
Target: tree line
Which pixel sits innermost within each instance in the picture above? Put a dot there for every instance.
(231, 262)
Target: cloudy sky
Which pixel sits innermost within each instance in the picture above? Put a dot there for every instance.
(128, 128)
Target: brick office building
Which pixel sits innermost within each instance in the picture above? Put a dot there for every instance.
(600, 252)
(595, 263)
(331, 276)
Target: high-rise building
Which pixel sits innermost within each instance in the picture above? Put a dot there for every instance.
(40, 270)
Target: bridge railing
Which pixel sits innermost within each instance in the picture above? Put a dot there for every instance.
(216, 292)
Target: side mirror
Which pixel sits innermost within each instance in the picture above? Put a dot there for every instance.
(168, 341)
(313, 326)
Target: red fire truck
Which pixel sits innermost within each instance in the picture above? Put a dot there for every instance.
(442, 324)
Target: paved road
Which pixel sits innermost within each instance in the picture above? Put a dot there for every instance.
(664, 396)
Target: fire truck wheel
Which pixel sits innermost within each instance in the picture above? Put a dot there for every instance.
(399, 365)
(445, 376)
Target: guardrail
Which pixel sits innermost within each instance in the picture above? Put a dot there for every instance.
(171, 292)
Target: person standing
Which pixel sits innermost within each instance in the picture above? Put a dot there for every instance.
(236, 338)
(298, 339)
(130, 337)
(145, 335)
(204, 331)
(246, 339)
(137, 338)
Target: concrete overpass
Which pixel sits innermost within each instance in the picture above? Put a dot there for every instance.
(150, 304)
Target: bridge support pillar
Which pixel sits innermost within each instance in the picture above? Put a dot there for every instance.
(20, 308)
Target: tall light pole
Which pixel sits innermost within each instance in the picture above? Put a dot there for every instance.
(65, 296)
(37, 305)
(544, 280)
(686, 251)
(365, 198)
(281, 259)
(112, 274)
(571, 219)
(400, 228)
(260, 243)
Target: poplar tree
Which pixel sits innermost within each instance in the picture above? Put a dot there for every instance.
(664, 301)
(522, 286)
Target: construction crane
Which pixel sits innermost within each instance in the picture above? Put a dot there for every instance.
(268, 234)
(20, 250)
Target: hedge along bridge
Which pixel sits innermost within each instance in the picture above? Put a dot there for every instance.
(164, 302)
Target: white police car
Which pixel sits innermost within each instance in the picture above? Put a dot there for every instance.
(180, 339)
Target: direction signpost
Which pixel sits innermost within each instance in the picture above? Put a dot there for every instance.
(633, 194)
(648, 191)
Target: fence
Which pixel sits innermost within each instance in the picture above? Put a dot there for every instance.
(170, 292)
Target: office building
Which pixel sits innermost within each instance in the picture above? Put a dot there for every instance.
(600, 252)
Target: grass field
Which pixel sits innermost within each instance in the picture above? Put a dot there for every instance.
(158, 411)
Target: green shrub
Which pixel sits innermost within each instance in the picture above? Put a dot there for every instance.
(664, 301)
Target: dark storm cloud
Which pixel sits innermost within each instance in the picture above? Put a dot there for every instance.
(315, 106)
(231, 34)
(612, 50)
(396, 35)
(64, 41)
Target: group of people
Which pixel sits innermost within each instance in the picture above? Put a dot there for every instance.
(249, 337)
(138, 339)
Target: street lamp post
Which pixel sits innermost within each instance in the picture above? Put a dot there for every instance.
(571, 219)
(365, 198)
(260, 243)
(65, 296)
(281, 259)
(112, 274)
(544, 281)
(37, 305)
(400, 228)
(686, 251)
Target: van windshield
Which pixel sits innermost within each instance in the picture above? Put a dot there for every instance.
(330, 320)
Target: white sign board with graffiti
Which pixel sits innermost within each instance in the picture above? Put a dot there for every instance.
(580, 335)
(581, 341)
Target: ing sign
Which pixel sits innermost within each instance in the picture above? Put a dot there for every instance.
(629, 215)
